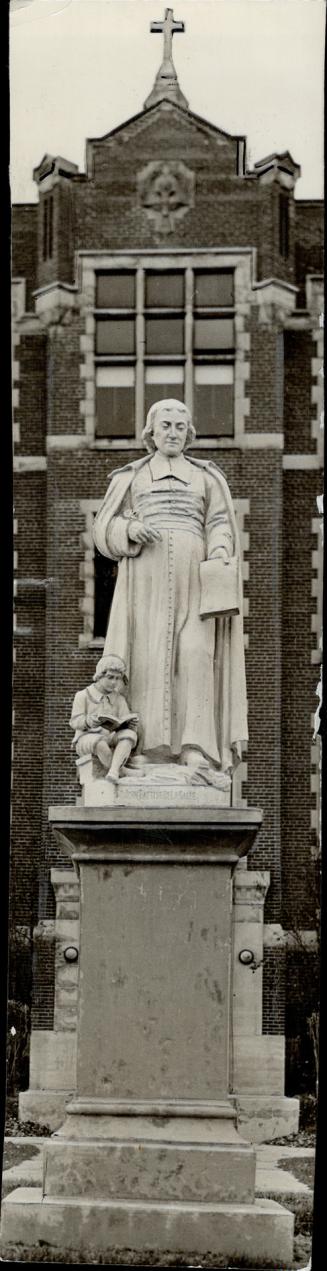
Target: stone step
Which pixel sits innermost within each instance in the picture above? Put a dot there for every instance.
(260, 1234)
(144, 1170)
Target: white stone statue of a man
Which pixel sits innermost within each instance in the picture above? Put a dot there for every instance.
(162, 516)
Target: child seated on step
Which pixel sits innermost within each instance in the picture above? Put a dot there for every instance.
(102, 721)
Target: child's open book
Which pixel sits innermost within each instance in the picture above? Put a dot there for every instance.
(108, 720)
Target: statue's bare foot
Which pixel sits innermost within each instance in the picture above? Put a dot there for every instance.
(111, 777)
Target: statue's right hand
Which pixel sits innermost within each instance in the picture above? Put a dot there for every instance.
(139, 533)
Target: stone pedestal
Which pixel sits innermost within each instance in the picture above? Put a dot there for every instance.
(149, 1157)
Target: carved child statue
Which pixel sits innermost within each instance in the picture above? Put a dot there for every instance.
(104, 726)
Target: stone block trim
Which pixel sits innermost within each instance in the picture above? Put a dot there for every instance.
(258, 1064)
(317, 391)
(66, 889)
(18, 302)
(88, 509)
(249, 894)
(317, 590)
(52, 1063)
(316, 659)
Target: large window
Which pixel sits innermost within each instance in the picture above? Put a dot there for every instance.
(164, 333)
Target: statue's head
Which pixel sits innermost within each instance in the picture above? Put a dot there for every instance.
(168, 427)
(111, 670)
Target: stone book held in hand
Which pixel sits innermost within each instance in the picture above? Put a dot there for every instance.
(219, 588)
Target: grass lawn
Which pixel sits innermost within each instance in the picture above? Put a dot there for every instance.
(16, 1153)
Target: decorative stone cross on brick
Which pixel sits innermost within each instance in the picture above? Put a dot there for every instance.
(168, 27)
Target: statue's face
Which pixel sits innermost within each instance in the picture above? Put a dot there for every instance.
(170, 431)
(112, 681)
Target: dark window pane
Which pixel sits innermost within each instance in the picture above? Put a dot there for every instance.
(213, 289)
(115, 412)
(213, 334)
(164, 335)
(283, 226)
(115, 335)
(45, 229)
(105, 574)
(156, 392)
(163, 290)
(214, 410)
(50, 234)
(115, 291)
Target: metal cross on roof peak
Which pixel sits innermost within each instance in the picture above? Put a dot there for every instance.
(168, 27)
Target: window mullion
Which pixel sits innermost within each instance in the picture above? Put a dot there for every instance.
(140, 343)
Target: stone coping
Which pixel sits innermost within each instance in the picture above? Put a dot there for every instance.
(223, 818)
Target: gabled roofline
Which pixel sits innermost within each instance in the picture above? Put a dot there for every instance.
(276, 154)
(185, 114)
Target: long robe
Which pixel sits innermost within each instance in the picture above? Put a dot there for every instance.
(186, 675)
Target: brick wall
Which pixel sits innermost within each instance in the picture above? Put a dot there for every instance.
(61, 263)
(273, 991)
(309, 246)
(43, 976)
(64, 385)
(102, 210)
(24, 246)
(298, 351)
(31, 412)
(299, 682)
(28, 695)
(266, 377)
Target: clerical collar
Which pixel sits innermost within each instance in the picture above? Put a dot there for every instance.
(162, 466)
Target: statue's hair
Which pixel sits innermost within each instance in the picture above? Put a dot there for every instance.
(108, 663)
(168, 403)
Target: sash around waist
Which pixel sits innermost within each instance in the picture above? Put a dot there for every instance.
(174, 524)
(178, 512)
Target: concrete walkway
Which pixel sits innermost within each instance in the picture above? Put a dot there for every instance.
(270, 1175)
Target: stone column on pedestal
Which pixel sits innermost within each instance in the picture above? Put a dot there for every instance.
(257, 1058)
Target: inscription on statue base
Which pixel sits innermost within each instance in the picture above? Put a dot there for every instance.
(164, 786)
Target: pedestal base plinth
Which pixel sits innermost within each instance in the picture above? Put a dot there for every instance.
(167, 1158)
(260, 1234)
(149, 1158)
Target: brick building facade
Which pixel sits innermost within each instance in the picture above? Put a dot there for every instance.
(168, 268)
